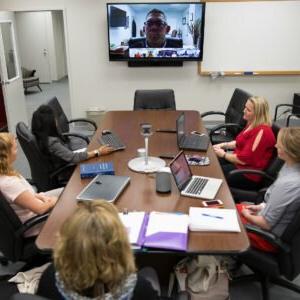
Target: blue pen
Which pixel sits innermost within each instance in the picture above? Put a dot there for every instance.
(208, 215)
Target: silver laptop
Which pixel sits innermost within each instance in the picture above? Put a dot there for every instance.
(193, 186)
(107, 187)
(189, 141)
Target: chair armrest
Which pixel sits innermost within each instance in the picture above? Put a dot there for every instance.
(268, 236)
(239, 172)
(225, 126)
(289, 117)
(84, 120)
(211, 112)
(62, 169)
(81, 136)
(32, 222)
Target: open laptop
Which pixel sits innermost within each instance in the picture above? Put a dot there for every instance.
(107, 187)
(193, 186)
(189, 141)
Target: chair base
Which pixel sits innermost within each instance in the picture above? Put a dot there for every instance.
(265, 282)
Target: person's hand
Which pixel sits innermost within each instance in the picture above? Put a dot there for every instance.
(218, 146)
(247, 213)
(253, 208)
(220, 152)
(105, 150)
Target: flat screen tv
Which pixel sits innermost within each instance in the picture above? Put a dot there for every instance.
(156, 31)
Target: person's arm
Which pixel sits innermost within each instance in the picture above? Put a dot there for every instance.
(28, 200)
(260, 221)
(226, 145)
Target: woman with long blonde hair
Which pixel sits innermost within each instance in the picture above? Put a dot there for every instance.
(15, 188)
(253, 148)
(93, 258)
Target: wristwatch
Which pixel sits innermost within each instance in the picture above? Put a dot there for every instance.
(97, 153)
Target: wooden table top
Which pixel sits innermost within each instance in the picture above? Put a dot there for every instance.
(140, 195)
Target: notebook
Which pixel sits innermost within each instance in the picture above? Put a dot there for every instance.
(213, 219)
(107, 187)
(193, 186)
(99, 168)
(189, 141)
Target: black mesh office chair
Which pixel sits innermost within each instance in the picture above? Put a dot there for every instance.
(13, 245)
(154, 99)
(268, 177)
(274, 268)
(64, 123)
(233, 122)
(292, 111)
(45, 177)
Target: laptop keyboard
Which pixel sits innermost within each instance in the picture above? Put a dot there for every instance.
(112, 140)
(197, 185)
(191, 141)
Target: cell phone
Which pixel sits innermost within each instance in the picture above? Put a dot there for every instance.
(213, 203)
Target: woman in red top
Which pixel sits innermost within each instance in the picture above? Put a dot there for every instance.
(253, 147)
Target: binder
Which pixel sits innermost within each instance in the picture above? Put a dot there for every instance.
(157, 229)
(93, 169)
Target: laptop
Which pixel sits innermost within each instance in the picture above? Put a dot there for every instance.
(189, 141)
(107, 187)
(192, 186)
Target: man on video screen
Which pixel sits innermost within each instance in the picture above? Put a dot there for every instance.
(155, 28)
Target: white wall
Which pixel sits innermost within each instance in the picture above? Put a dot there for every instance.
(94, 81)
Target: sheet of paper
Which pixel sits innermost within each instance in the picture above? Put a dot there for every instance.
(213, 219)
(133, 222)
(167, 222)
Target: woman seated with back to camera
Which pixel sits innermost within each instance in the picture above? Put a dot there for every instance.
(17, 191)
(54, 144)
(282, 199)
(93, 259)
(253, 147)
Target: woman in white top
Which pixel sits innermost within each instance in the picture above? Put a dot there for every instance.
(17, 191)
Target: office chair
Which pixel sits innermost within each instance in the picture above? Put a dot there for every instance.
(29, 80)
(154, 99)
(45, 177)
(63, 122)
(292, 111)
(272, 268)
(233, 122)
(13, 244)
(268, 177)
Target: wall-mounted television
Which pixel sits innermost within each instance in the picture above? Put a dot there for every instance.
(156, 31)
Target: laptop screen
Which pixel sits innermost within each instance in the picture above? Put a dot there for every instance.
(180, 170)
(180, 130)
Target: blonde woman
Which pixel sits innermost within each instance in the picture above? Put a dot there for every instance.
(253, 147)
(17, 191)
(93, 259)
(282, 199)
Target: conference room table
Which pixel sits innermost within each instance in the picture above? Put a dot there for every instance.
(140, 194)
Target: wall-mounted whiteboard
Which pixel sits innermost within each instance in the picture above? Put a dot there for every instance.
(255, 36)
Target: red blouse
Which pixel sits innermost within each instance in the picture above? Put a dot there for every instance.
(261, 156)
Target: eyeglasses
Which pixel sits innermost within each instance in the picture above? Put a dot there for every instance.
(157, 23)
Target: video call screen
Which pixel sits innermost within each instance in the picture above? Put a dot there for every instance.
(155, 30)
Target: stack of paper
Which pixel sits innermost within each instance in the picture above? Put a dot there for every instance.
(213, 219)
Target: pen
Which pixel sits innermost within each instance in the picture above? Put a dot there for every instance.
(208, 215)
